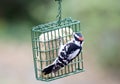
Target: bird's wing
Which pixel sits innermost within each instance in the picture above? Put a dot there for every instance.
(74, 54)
(73, 51)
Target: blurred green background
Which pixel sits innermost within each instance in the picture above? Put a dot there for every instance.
(100, 24)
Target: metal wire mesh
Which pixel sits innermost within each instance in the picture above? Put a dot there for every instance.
(45, 45)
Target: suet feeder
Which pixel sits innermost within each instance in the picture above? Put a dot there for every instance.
(45, 46)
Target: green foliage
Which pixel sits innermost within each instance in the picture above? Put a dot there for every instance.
(109, 49)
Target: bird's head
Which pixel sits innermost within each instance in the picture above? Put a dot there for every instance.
(78, 37)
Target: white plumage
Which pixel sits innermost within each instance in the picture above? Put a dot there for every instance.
(66, 54)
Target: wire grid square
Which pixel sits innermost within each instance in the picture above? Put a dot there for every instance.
(45, 44)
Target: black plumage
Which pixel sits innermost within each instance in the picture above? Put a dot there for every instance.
(66, 54)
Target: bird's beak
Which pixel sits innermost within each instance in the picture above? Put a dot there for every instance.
(81, 38)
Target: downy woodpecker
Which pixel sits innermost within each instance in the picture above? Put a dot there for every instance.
(66, 54)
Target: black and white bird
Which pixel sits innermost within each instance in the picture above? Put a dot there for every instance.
(66, 54)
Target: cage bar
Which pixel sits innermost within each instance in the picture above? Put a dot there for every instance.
(45, 46)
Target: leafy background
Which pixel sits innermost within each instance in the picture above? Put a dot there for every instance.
(100, 24)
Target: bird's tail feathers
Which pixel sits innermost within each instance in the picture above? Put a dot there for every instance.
(56, 68)
(48, 69)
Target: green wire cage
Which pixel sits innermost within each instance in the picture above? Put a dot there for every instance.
(45, 46)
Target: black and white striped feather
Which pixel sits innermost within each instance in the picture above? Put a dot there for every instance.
(66, 54)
